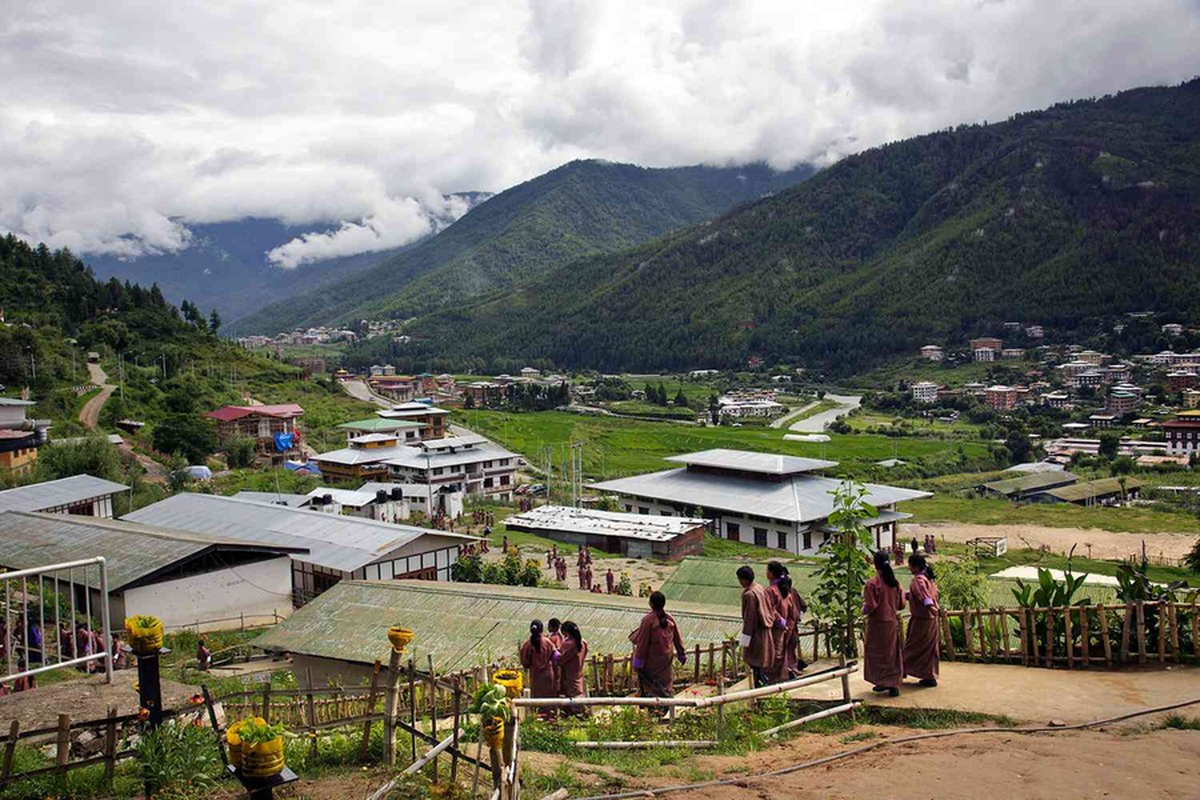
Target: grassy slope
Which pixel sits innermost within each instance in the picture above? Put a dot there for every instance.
(946, 508)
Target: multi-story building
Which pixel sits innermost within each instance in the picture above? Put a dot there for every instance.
(1183, 434)
(1191, 398)
(1091, 357)
(1035, 331)
(1012, 352)
(20, 438)
(1172, 329)
(1000, 398)
(431, 418)
(756, 498)
(1180, 379)
(1120, 403)
(931, 352)
(470, 464)
(274, 429)
(924, 392)
(1060, 400)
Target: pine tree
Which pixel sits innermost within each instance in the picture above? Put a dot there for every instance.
(214, 322)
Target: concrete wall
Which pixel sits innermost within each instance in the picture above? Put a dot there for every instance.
(256, 590)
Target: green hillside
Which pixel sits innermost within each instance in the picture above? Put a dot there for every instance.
(1065, 217)
(579, 209)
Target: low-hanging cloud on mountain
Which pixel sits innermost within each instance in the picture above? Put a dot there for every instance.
(120, 126)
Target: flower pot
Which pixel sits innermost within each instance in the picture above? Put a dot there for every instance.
(399, 637)
(493, 732)
(511, 680)
(144, 639)
(262, 760)
(234, 744)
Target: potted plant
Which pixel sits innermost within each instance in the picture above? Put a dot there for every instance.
(399, 637)
(510, 679)
(491, 704)
(234, 742)
(145, 633)
(262, 748)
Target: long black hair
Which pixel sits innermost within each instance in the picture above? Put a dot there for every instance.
(571, 631)
(553, 625)
(883, 565)
(535, 634)
(784, 585)
(917, 561)
(776, 570)
(658, 602)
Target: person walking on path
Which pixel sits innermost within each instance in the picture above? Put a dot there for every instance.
(537, 656)
(921, 654)
(883, 665)
(572, 656)
(758, 620)
(656, 644)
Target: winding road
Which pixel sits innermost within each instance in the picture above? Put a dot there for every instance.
(817, 422)
(89, 415)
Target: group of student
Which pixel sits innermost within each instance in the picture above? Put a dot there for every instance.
(886, 659)
(771, 618)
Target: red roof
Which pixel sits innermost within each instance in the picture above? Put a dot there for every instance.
(230, 413)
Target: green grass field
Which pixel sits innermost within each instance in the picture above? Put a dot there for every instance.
(980, 511)
(619, 447)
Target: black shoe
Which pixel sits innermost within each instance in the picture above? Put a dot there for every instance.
(801, 665)
(893, 692)
(879, 689)
(930, 682)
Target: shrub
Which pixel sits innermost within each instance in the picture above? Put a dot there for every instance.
(960, 584)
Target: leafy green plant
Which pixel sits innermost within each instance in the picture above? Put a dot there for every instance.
(1048, 592)
(491, 701)
(960, 583)
(845, 571)
(179, 761)
(255, 731)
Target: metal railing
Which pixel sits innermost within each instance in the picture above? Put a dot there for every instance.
(44, 587)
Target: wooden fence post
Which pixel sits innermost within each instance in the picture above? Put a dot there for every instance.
(454, 745)
(1174, 620)
(390, 703)
(1104, 636)
(1050, 638)
(696, 666)
(1126, 633)
(433, 712)
(970, 634)
(266, 701)
(62, 751)
(1084, 635)
(412, 704)
(1004, 635)
(1162, 632)
(1070, 637)
(110, 746)
(10, 748)
(1141, 632)
(370, 709)
(312, 715)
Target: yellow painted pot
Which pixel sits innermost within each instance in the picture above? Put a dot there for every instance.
(263, 760)
(144, 639)
(399, 637)
(234, 744)
(493, 732)
(511, 680)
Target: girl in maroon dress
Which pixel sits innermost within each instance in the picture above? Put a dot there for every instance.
(921, 655)
(883, 665)
(537, 656)
(656, 643)
(572, 656)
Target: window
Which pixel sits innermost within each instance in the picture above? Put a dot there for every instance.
(487, 483)
(628, 507)
(643, 510)
(781, 540)
(664, 513)
(504, 480)
(733, 531)
(808, 540)
(760, 537)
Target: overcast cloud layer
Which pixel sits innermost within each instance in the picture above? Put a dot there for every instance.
(122, 122)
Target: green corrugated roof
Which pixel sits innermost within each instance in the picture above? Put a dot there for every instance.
(712, 581)
(463, 625)
(1097, 488)
(378, 425)
(1026, 483)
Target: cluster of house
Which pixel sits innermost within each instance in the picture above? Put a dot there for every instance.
(1060, 486)
(750, 403)
(308, 336)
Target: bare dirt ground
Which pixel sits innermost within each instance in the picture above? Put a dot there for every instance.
(84, 698)
(89, 415)
(1103, 544)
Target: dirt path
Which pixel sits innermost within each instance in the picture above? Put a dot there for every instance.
(1092, 543)
(89, 415)
(85, 698)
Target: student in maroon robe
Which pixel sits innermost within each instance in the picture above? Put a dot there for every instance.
(758, 620)
(921, 655)
(656, 643)
(610, 580)
(786, 635)
(537, 656)
(572, 656)
(883, 665)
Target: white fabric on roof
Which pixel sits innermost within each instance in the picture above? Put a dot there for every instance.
(604, 523)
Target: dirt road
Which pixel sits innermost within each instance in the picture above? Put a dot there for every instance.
(1092, 543)
(89, 415)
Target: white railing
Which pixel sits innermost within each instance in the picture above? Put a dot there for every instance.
(28, 592)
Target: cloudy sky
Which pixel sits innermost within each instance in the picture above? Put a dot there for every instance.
(121, 122)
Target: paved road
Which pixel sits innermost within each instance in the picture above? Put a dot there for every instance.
(360, 391)
(89, 415)
(784, 421)
(817, 422)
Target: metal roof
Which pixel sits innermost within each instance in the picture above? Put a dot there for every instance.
(334, 541)
(746, 461)
(13, 401)
(133, 553)
(1092, 489)
(378, 424)
(415, 457)
(603, 523)
(420, 490)
(465, 440)
(799, 498)
(347, 497)
(293, 500)
(361, 455)
(1031, 482)
(463, 625)
(62, 492)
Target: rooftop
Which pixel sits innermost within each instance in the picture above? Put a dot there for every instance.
(378, 425)
(334, 541)
(417, 457)
(746, 461)
(62, 492)
(15, 401)
(229, 413)
(134, 554)
(1093, 489)
(1031, 482)
(462, 625)
(277, 498)
(603, 523)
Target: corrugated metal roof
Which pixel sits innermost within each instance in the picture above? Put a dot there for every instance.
(463, 625)
(415, 457)
(131, 551)
(603, 523)
(378, 424)
(62, 492)
(1092, 489)
(747, 461)
(293, 500)
(347, 497)
(334, 541)
(362, 455)
(800, 498)
(1028, 482)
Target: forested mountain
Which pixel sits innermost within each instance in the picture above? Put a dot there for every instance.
(580, 209)
(1063, 217)
(225, 267)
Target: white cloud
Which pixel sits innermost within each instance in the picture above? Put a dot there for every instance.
(122, 123)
